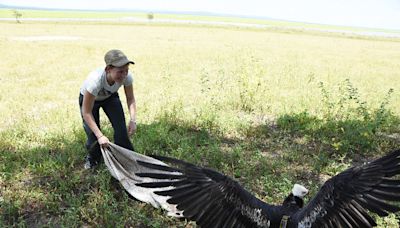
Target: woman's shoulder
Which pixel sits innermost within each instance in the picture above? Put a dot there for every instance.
(97, 71)
(96, 74)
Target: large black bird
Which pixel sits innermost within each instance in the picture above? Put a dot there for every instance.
(213, 199)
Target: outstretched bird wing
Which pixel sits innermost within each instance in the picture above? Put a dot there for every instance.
(185, 190)
(343, 201)
(204, 195)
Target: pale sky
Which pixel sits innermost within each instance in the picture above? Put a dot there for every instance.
(364, 13)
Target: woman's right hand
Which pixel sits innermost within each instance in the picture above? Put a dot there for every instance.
(103, 141)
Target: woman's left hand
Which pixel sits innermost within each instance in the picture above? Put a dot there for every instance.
(131, 127)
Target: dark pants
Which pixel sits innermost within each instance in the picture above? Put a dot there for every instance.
(115, 113)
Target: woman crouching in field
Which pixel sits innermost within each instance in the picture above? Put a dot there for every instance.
(100, 90)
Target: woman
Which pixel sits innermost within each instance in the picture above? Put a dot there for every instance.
(100, 90)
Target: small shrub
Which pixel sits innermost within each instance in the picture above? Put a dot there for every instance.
(150, 16)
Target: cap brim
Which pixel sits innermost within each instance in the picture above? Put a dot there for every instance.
(122, 62)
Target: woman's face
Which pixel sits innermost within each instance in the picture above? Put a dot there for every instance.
(118, 74)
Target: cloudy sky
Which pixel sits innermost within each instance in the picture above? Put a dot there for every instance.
(364, 13)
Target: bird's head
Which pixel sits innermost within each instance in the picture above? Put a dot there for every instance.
(299, 191)
(294, 200)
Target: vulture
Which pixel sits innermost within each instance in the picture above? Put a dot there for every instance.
(212, 199)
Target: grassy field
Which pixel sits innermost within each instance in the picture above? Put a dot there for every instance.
(269, 108)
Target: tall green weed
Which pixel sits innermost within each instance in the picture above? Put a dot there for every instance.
(347, 124)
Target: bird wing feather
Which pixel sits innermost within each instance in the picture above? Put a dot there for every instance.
(123, 164)
(204, 195)
(345, 199)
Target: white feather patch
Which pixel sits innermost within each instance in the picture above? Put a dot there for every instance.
(309, 220)
(123, 164)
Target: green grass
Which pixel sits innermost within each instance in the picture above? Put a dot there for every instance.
(267, 107)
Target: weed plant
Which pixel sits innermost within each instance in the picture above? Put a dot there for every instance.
(347, 124)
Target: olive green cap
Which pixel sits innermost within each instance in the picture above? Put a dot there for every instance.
(116, 58)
